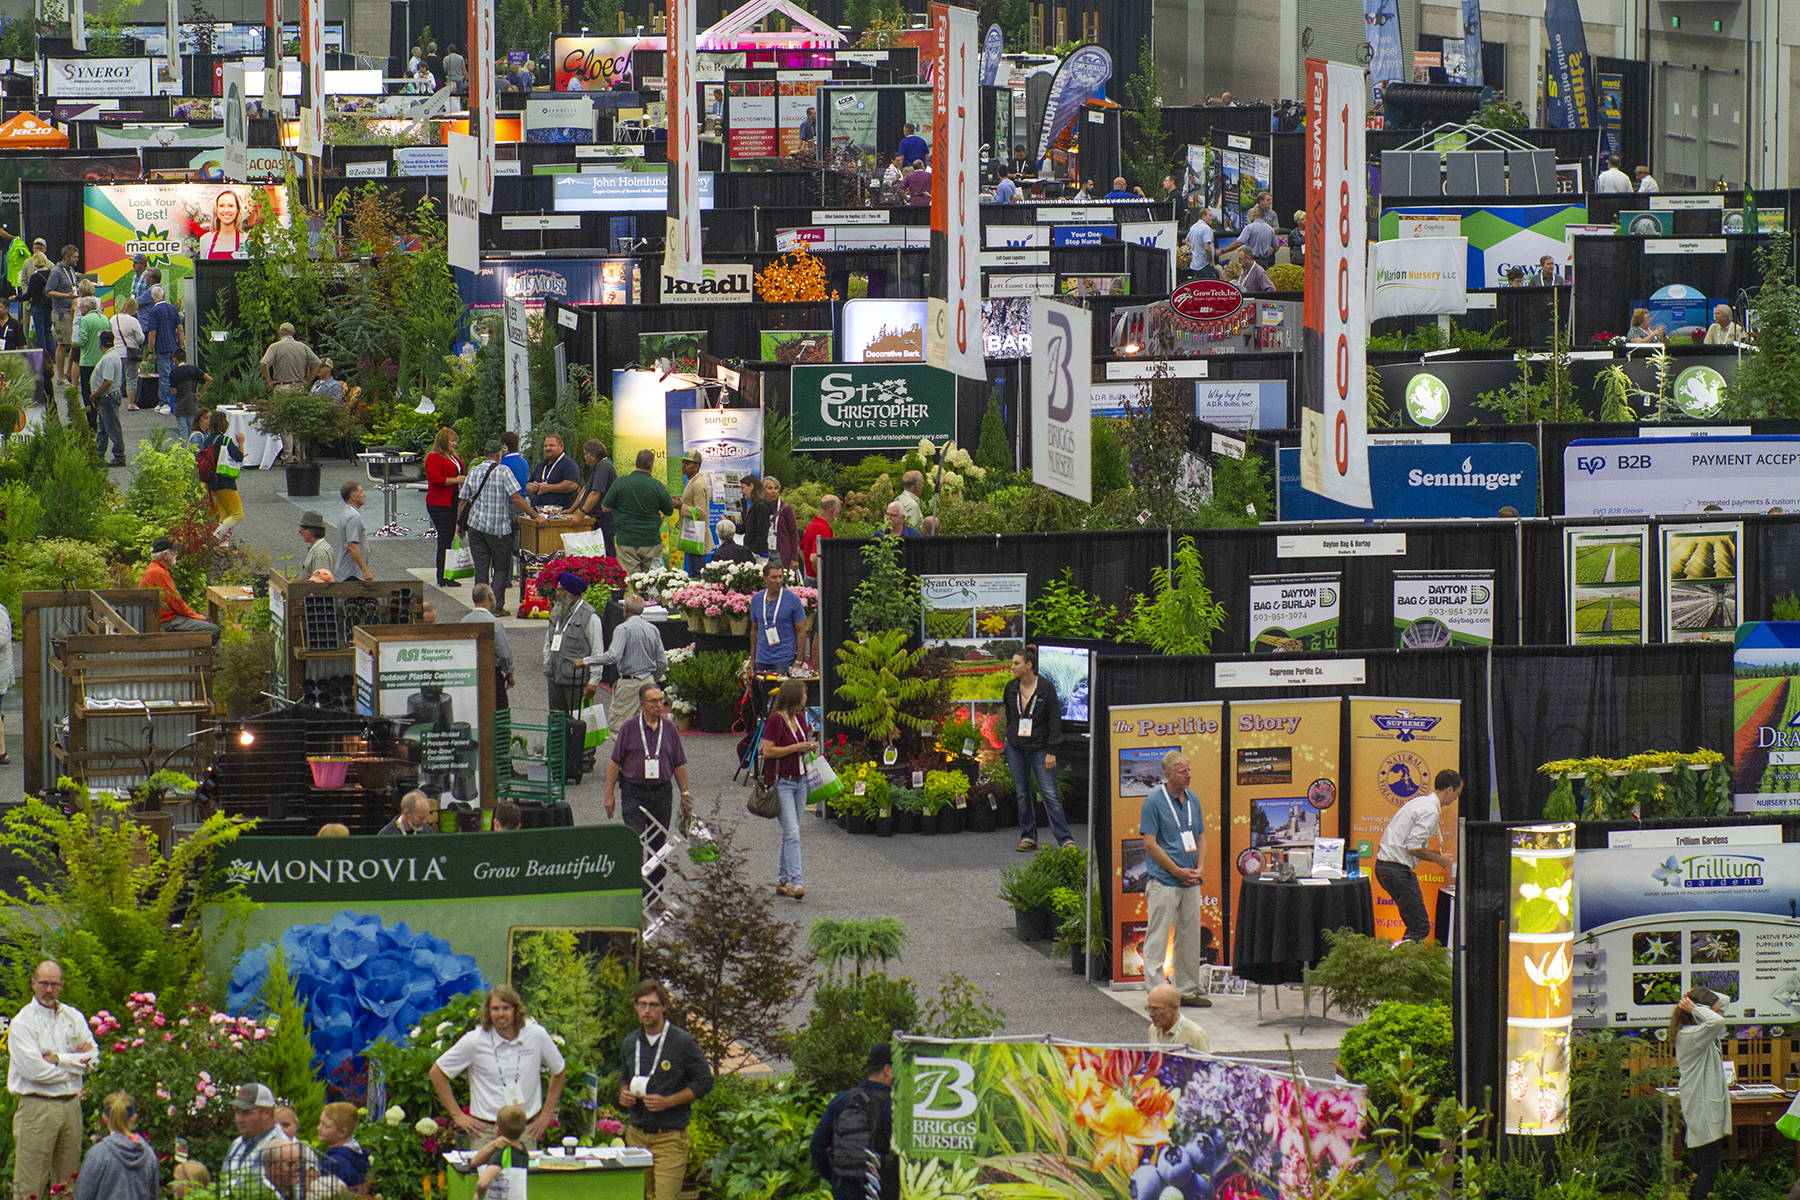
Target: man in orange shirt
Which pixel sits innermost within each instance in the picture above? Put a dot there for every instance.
(176, 616)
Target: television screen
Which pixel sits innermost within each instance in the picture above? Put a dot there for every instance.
(1067, 668)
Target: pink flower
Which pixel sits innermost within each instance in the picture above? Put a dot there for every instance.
(429, 1145)
(169, 1037)
(608, 1125)
(136, 1043)
(161, 1094)
(261, 1034)
(206, 1076)
(185, 1021)
(199, 1101)
(159, 1021)
(171, 1110)
(118, 1047)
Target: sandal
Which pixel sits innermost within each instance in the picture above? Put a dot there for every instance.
(5, 759)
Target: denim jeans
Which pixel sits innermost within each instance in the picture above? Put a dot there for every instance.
(46, 337)
(1027, 765)
(109, 426)
(164, 364)
(793, 802)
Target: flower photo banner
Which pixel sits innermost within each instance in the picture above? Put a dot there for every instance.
(1043, 1119)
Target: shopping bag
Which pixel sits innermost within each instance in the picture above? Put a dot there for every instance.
(822, 782)
(227, 469)
(458, 562)
(693, 535)
(1789, 1125)
(594, 715)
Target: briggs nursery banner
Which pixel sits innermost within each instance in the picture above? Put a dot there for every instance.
(1048, 1119)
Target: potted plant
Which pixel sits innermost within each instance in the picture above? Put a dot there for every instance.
(151, 792)
(1006, 800)
(946, 794)
(864, 798)
(680, 707)
(1080, 933)
(908, 808)
(1027, 891)
(878, 679)
(309, 417)
(243, 669)
(710, 680)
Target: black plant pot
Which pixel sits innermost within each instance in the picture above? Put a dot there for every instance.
(949, 819)
(979, 818)
(856, 823)
(824, 810)
(882, 827)
(1034, 924)
(928, 824)
(303, 479)
(1006, 809)
(716, 718)
(906, 822)
(1080, 964)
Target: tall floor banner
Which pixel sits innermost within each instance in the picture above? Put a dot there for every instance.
(1471, 45)
(1540, 948)
(991, 50)
(681, 254)
(312, 78)
(1285, 780)
(518, 369)
(1057, 1121)
(236, 158)
(1334, 419)
(1569, 66)
(953, 330)
(1612, 113)
(1382, 19)
(730, 442)
(1397, 747)
(481, 93)
(1765, 761)
(1062, 388)
(1141, 735)
(463, 221)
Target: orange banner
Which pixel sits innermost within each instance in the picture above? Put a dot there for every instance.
(1284, 780)
(1396, 748)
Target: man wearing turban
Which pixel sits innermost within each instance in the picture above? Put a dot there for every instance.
(575, 635)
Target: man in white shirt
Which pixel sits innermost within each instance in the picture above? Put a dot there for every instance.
(1646, 182)
(1724, 331)
(505, 1056)
(1614, 178)
(243, 1174)
(50, 1051)
(1167, 1026)
(1403, 844)
(1200, 243)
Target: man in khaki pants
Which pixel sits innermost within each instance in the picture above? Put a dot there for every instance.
(50, 1052)
(663, 1072)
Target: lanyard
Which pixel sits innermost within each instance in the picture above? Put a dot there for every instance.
(1175, 812)
(655, 1049)
(644, 736)
(518, 1067)
(765, 607)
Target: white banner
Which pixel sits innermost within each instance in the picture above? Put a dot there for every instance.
(173, 32)
(463, 232)
(237, 125)
(78, 27)
(682, 253)
(1418, 277)
(1062, 338)
(1338, 187)
(481, 92)
(518, 370)
(953, 335)
(87, 78)
(1631, 476)
(312, 71)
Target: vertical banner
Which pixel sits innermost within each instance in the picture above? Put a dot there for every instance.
(953, 327)
(172, 60)
(1062, 385)
(1397, 747)
(78, 25)
(312, 77)
(236, 158)
(1469, 60)
(272, 31)
(1335, 441)
(1702, 582)
(481, 94)
(681, 253)
(730, 442)
(1540, 963)
(463, 232)
(1141, 734)
(1568, 83)
(1612, 113)
(1381, 19)
(1765, 763)
(991, 50)
(518, 369)
(1284, 779)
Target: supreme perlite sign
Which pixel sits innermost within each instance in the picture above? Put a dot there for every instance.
(1334, 419)
(953, 326)
(681, 256)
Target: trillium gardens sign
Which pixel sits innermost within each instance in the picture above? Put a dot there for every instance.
(872, 406)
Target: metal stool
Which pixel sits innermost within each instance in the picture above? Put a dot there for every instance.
(385, 467)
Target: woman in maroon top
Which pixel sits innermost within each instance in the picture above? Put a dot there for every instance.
(784, 527)
(443, 475)
(784, 740)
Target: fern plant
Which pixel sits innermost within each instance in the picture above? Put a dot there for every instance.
(1181, 616)
(877, 679)
(857, 942)
(1616, 390)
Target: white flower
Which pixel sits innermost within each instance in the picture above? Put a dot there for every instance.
(395, 1115)
(558, 1039)
(1552, 972)
(426, 1127)
(442, 1026)
(1558, 896)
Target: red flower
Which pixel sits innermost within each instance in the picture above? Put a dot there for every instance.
(596, 569)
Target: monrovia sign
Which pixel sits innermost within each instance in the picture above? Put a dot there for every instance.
(872, 406)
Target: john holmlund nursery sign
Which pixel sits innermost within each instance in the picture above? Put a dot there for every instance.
(872, 406)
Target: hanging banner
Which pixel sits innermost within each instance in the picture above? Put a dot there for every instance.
(442, 726)
(1765, 775)
(463, 222)
(750, 119)
(852, 127)
(481, 94)
(1436, 609)
(592, 64)
(967, 1110)
(1701, 581)
(518, 369)
(1540, 990)
(1284, 780)
(1397, 747)
(1290, 613)
(236, 159)
(1471, 50)
(874, 406)
(730, 442)
(1334, 425)
(1418, 277)
(1062, 385)
(1603, 578)
(1382, 21)
(1612, 113)
(312, 77)
(1081, 77)
(991, 50)
(174, 224)
(953, 330)
(798, 95)
(1567, 85)
(681, 256)
(1140, 736)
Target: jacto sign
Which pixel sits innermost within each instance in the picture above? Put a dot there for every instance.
(872, 406)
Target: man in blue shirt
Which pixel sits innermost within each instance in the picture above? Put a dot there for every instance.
(1121, 192)
(809, 127)
(556, 479)
(1259, 239)
(162, 333)
(512, 460)
(1175, 841)
(912, 146)
(776, 616)
(1006, 191)
(844, 1161)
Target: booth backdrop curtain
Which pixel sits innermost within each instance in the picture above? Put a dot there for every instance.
(1632, 276)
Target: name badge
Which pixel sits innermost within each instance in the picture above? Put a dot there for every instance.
(556, 643)
(1024, 727)
(640, 1085)
(772, 636)
(513, 1094)
(652, 768)
(1187, 841)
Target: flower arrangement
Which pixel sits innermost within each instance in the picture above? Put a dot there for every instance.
(655, 582)
(734, 576)
(678, 704)
(944, 788)
(597, 569)
(795, 277)
(707, 598)
(873, 800)
(839, 754)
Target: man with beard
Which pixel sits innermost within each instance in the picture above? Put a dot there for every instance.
(575, 636)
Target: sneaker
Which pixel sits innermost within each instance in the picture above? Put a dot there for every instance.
(117, 462)
(165, 410)
(1195, 1000)
(449, 583)
(1068, 843)
(782, 889)
(1027, 845)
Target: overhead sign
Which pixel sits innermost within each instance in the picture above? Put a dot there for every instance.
(953, 334)
(1419, 277)
(872, 406)
(594, 64)
(1605, 477)
(1274, 671)
(719, 283)
(620, 191)
(1207, 299)
(1062, 339)
(463, 232)
(1765, 769)
(1467, 480)
(312, 78)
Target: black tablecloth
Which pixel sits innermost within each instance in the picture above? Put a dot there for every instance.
(1280, 926)
(546, 816)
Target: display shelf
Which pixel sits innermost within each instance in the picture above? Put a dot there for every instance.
(316, 622)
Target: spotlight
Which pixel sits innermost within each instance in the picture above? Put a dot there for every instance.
(245, 737)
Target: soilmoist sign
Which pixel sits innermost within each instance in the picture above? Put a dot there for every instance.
(872, 406)
(1062, 1120)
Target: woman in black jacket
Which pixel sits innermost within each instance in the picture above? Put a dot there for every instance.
(755, 525)
(1033, 726)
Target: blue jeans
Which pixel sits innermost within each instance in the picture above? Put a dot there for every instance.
(693, 563)
(184, 426)
(164, 364)
(1027, 765)
(793, 802)
(109, 426)
(46, 337)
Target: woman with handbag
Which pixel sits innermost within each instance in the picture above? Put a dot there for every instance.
(444, 473)
(129, 335)
(1695, 1028)
(784, 741)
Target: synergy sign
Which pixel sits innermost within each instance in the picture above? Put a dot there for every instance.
(872, 406)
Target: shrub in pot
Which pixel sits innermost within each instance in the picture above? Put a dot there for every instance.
(865, 795)
(908, 806)
(1026, 890)
(945, 794)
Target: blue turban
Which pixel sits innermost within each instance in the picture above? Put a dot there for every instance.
(571, 583)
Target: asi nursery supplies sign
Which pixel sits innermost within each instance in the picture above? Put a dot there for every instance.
(872, 406)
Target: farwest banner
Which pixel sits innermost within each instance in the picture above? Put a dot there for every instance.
(173, 224)
(872, 406)
(1397, 747)
(1141, 735)
(1049, 1121)
(1765, 761)
(1419, 277)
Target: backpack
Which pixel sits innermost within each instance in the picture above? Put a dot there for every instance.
(206, 463)
(853, 1136)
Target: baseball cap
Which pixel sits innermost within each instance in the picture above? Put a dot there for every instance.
(692, 456)
(880, 1055)
(161, 544)
(254, 1095)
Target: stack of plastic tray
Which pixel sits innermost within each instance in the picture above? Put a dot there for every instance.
(322, 628)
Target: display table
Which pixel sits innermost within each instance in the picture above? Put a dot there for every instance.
(223, 598)
(619, 1177)
(547, 539)
(1280, 927)
(261, 448)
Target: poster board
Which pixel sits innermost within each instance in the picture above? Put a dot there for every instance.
(1397, 747)
(1284, 779)
(1434, 610)
(1603, 581)
(437, 681)
(1295, 612)
(980, 619)
(730, 442)
(173, 223)
(1701, 581)
(1765, 756)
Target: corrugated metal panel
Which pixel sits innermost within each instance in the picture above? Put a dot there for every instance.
(1339, 33)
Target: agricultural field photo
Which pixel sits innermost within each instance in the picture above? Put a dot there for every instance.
(1615, 561)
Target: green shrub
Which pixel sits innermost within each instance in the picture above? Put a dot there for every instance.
(1361, 972)
(50, 565)
(710, 677)
(759, 1143)
(1369, 1050)
(848, 1017)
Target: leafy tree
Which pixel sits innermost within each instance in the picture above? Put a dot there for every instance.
(1014, 17)
(1767, 383)
(1147, 147)
(1181, 616)
(490, 390)
(602, 16)
(527, 25)
(994, 451)
(888, 597)
(1155, 434)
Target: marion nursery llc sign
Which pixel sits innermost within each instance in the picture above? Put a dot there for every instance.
(872, 406)
(1418, 277)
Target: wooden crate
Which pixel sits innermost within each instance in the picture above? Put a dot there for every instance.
(295, 659)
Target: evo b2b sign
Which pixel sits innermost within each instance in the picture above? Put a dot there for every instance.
(872, 406)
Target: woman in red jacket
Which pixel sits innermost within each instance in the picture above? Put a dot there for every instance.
(784, 528)
(443, 476)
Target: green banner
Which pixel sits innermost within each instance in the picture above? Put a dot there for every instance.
(872, 406)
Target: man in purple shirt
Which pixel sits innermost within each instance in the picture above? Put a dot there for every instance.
(646, 755)
(163, 330)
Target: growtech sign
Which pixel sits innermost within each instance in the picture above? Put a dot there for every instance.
(872, 406)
